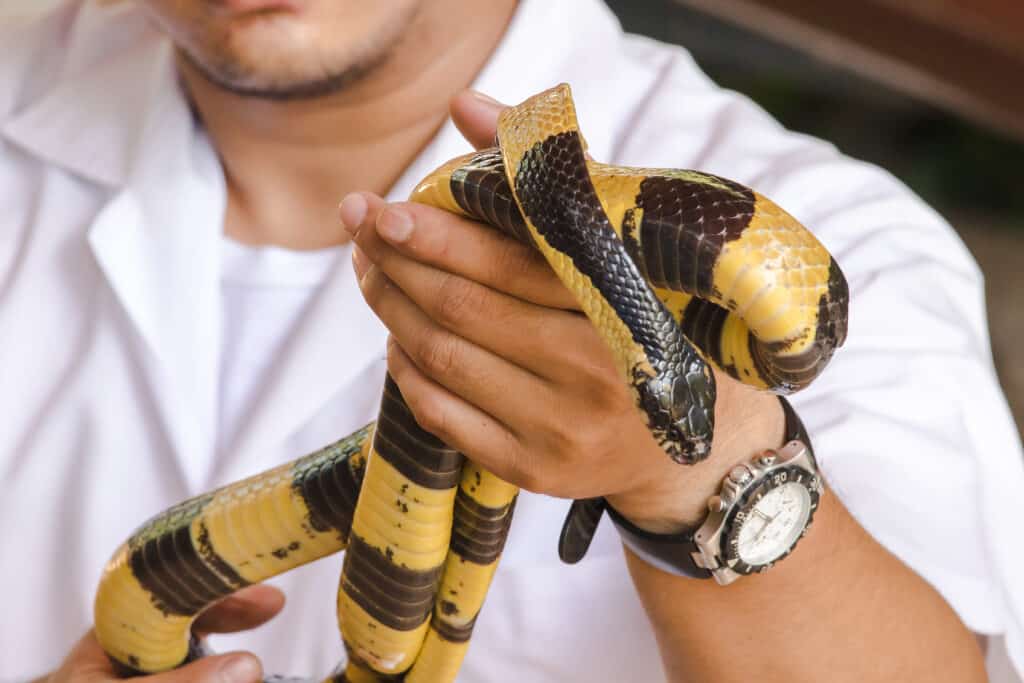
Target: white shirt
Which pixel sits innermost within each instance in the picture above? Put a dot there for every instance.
(111, 212)
(265, 291)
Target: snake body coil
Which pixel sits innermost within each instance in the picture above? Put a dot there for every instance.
(673, 268)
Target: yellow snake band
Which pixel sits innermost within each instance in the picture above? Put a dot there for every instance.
(675, 269)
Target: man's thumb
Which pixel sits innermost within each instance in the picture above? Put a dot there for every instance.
(87, 663)
(231, 667)
(476, 117)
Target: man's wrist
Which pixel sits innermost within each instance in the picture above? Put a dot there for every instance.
(675, 498)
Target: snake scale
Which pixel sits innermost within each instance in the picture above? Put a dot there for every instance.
(676, 269)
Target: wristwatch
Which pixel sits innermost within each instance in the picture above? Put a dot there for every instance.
(761, 511)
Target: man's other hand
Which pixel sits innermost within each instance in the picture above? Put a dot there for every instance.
(246, 609)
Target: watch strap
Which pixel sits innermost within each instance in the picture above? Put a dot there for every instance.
(674, 553)
(671, 553)
(795, 430)
(579, 528)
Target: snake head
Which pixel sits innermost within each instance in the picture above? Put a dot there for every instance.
(679, 403)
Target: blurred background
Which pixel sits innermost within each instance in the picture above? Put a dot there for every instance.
(929, 89)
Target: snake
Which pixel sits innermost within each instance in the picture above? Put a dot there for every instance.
(678, 271)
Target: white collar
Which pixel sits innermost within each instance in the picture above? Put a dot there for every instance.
(155, 236)
(85, 121)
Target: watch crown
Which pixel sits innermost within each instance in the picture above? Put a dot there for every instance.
(741, 474)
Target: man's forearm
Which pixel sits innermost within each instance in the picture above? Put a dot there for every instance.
(840, 608)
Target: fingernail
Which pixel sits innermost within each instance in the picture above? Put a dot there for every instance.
(359, 262)
(486, 99)
(352, 211)
(242, 669)
(395, 225)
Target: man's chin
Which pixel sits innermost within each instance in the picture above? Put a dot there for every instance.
(262, 83)
(285, 90)
(282, 55)
(260, 6)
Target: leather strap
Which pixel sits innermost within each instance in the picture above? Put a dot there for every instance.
(673, 553)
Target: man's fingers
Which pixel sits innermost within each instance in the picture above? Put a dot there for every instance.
(359, 209)
(248, 608)
(88, 663)
(231, 667)
(462, 247)
(476, 117)
(483, 316)
(474, 374)
(461, 425)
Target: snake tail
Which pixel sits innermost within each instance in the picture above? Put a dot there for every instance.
(188, 557)
(483, 512)
(399, 540)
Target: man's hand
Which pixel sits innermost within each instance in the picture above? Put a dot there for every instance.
(244, 610)
(494, 358)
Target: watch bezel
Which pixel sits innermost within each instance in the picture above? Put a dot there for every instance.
(765, 483)
(697, 553)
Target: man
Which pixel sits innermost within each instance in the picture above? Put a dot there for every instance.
(177, 311)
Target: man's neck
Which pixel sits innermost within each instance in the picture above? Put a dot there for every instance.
(288, 163)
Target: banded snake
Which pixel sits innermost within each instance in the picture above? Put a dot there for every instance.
(674, 268)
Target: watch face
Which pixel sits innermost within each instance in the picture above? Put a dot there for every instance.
(771, 519)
